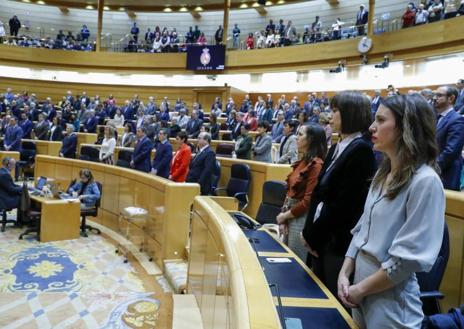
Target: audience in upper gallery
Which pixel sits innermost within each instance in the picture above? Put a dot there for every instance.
(407, 194)
(338, 199)
(300, 185)
(203, 164)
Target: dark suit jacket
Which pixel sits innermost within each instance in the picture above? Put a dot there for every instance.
(91, 125)
(343, 190)
(450, 138)
(236, 129)
(266, 115)
(69, 146)
(41, 130)
(244, 149)
(10, 194)
(193, 128)
(26, 126)
(362, 19)
(57, 134)
(128, 112)
(141, 154)
(459, 106)
(201, 167)
(375, 105)
(163, 158)
(13, 138)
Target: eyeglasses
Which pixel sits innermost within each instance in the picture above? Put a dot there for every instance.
(439, 95)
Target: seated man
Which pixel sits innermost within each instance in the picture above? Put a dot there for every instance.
(10, 194)
(203, 164)
(86, 190)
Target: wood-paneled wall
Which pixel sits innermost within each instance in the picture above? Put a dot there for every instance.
(165, 233)
(57, 90)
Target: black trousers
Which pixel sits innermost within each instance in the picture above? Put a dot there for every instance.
(326, 267)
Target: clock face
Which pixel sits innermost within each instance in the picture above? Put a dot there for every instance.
(364, 45)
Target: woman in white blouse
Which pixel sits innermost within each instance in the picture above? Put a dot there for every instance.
(401, 230)
(118, 120)
(107, 147)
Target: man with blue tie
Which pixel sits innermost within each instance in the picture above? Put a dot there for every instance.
(163, 156)
(141, 155)
(450, 137)
(69, 143)
(26, 125)
(13, 135)
(459, 107)
(203, 164)
(90, 125)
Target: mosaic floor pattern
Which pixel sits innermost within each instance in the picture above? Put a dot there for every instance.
(76, 284)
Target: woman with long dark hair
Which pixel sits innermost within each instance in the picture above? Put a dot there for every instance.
(300, 184)
(400, 232)
(338, 199)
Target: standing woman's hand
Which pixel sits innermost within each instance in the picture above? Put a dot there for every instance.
(344, 284)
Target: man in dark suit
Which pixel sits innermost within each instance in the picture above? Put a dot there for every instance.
(90, 125)
(219, 35)
(10, 194)
(236, 128)
(128, 111)
(69, 143)
(142, 151)
(26, 125)
(41, 128)
(278, 128)
(203, 164)
(361, 19)
(193, 125)
(375, 103)
(163, 156)
(15, 25)
(13, 135)
(459, 106)
(450, 137)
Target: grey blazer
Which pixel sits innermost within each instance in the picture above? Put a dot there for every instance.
(289, 150)
(262, 148)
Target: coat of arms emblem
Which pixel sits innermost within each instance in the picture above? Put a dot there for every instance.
(205, 57)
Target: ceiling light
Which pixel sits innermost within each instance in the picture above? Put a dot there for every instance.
(40, 2)
(280, 2)
(27, 1)
(183, 9)
(243, 5)
(122, 9)
(255, 5)
(106, 8)
(268, 3)
(167, 10)
(89, 7)
(198, 9)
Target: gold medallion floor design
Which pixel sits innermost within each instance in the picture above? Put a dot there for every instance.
(78, 283)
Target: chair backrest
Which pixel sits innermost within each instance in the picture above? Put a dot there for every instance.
(124, 158)
(27, 155)
(216, 175)
(274, 193)
(100, 187)
(227, 136)
(225, 150)
(28, 145)
(430, 281)
(240, 179)
(90, 153)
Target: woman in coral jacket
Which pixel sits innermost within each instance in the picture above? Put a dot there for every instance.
(181, 160)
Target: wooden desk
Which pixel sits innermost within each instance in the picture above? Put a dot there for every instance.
(59, 220)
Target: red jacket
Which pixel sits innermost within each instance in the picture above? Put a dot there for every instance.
(180, 163)
(409, 18)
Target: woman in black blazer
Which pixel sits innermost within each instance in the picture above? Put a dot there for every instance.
(56, 130)
(338, 199)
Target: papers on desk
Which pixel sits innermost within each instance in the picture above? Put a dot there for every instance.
(278, 260)
(293, 323)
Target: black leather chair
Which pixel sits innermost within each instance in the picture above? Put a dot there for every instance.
(92, 212)
(124, 158)
(429, 282)
(29, 216)
(239, 184)
(274, 193)
(227, 136)
(4, 220)
(225, 150)
(216, 176)
(26, 157)
(89, 153)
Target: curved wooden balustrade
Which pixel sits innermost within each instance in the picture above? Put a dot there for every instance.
(452, 285)
(165, 234)
(438, 38)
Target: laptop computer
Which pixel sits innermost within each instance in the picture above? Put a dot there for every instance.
(39, 185)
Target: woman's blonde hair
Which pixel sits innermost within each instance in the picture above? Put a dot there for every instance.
(415, 145)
